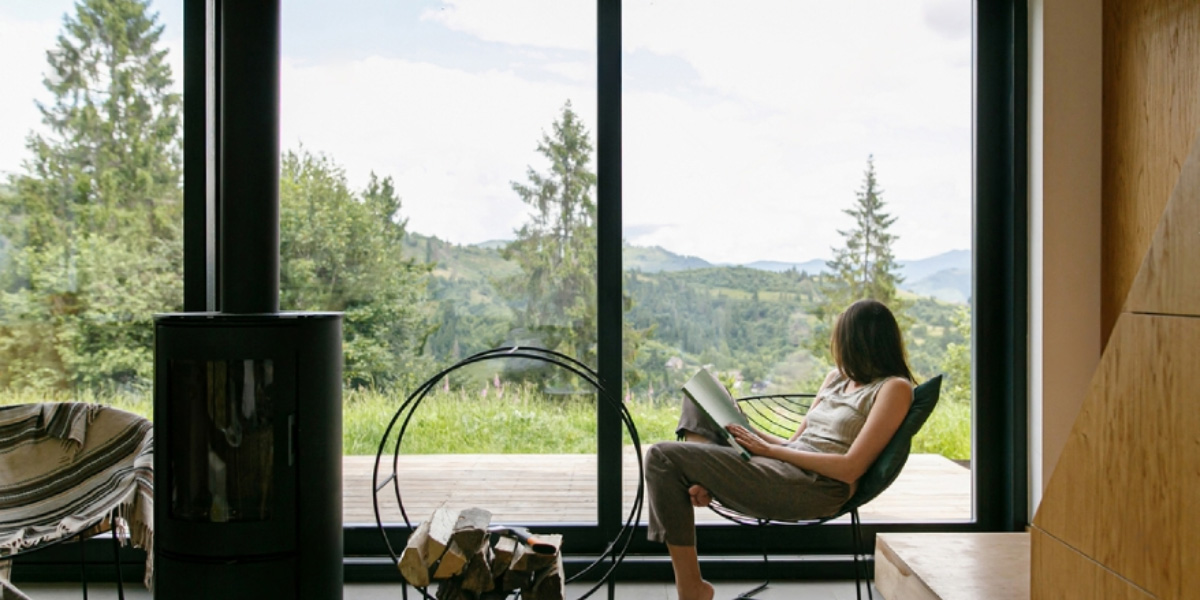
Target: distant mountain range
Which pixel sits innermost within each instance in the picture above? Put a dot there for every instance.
(946, 276)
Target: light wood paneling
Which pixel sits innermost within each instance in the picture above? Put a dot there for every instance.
(952, 566)
(1117, 494)
(1151, 114)
(1186, 415)
(1169, 280)
(1074, 575)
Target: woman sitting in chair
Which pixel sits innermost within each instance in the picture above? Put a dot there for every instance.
(811, 475)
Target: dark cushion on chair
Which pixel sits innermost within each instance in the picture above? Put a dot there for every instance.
(887, 467)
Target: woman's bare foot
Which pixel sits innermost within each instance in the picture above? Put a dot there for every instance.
(705, 592)
(699, 496)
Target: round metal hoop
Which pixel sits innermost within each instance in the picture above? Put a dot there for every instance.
(614, 553)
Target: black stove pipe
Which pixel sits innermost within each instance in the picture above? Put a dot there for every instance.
(247, 400)
(248, 114)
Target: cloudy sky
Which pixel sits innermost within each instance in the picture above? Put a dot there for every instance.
(747, 124)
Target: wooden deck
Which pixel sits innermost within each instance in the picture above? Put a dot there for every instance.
(561, 488)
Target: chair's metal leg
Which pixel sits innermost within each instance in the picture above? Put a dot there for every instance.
(751, 593)
(861, 573)
(117, 559)
(82, 566)
(853, 541)
(762, 538)
(862, 539)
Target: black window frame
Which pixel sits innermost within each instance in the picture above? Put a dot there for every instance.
(1000, 251)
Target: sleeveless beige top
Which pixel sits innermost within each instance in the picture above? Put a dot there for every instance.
(838, 416)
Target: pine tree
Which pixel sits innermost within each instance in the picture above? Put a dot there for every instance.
(865, 266)
(95, 219)
(555, 293)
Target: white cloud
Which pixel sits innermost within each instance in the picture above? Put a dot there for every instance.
(563, 24)
(22, 44)
(806, 91)
(582, 73)
(453, 141)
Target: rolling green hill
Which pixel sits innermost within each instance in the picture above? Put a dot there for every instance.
(743, 320)
(654, 259)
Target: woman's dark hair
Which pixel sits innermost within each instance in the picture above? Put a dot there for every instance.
(866, 343)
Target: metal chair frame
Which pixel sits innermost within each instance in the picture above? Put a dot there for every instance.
(91, 528)
(79, 538)
(783, 412)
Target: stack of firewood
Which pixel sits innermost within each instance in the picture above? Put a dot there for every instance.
(455, 549)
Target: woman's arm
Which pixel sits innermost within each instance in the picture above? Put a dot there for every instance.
(891, 405)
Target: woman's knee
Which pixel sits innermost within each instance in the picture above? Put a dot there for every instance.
(660, 458)
(655, 456)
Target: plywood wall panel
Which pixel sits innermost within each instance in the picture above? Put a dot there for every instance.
(1116, 495)
(1151, 113)
(1187, 477)
(1074, 575)
(1169, 279)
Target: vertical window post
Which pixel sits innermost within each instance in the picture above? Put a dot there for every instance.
(608, 271)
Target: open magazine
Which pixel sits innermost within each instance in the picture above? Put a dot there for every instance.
(715, 400)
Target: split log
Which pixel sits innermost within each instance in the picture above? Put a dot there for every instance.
(452, 562)
(431, 544)
(549, 583)
(454, 548)
(520, 558)
(536, 561)
(470, 528)
(466, 536)
(514, 580)
(502, 555)
(413, 565)
(516, 575)
(477, 577)
(451, 589)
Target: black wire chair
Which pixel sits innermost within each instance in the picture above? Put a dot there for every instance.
(613, 554)
(86, 530)
(783, 413)
(80, 538)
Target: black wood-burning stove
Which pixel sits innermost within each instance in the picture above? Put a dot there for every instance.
(247, 413)
(247, 400)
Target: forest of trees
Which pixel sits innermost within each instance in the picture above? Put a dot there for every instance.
(90, 250)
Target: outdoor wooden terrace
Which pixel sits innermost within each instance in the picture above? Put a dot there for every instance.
(561, 488)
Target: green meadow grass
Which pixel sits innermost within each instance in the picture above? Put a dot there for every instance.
(522, 421)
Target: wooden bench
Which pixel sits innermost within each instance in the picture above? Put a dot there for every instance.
(952, 566)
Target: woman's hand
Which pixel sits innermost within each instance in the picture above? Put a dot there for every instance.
(750, 441)
(700, 496)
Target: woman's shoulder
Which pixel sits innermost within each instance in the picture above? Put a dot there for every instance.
(895, 386)
(895, 380)
(831, 379)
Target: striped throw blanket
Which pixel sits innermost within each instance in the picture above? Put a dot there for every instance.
(71, 468)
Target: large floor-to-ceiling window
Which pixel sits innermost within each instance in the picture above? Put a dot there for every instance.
(782, 162)
(451, 175)
(438, 185)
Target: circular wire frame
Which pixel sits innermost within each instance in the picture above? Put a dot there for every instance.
(614, 553)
